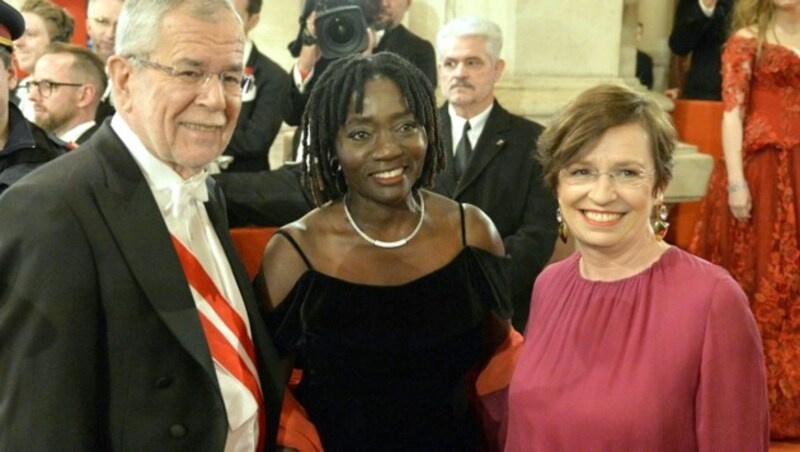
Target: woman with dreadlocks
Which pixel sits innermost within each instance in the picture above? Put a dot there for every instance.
(388, 297)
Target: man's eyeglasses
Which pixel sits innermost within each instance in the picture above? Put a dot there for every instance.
(234, 83)
(45, 87)
(622, 177)
(104, 22)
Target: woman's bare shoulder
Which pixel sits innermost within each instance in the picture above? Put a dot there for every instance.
(479, 228)
(481, 231)
(286, 259)
(445, 212)
(305, 229)
(746, 32)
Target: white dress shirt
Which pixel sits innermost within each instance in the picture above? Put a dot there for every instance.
(476, 123)
(74, 133)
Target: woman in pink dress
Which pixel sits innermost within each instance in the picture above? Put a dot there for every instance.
(749, 221)
(631, 344)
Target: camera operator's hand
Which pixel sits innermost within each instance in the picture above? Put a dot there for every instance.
(372, 41)
(309, 54)
(311, 24)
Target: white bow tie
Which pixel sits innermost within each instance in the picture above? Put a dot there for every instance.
(183, 194)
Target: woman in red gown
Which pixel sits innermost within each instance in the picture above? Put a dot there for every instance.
(749, 223)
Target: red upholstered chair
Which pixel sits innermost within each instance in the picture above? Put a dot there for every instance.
(250, 243)
(699, 123)
(295, 430)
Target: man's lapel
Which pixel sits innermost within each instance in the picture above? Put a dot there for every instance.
(135, 221)
(447, 179)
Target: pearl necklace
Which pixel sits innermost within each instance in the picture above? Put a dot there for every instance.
(380, 243)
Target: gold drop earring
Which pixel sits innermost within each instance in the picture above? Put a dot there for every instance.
(660, 224)
(563, 231)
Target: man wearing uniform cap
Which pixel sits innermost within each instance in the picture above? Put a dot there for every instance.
(23, 146)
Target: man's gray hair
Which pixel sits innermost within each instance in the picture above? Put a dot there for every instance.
(5, 57)
(139, 28)
(471, 26)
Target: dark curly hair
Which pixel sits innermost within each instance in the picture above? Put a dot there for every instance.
(341, 84)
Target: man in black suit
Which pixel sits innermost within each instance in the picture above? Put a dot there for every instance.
(644, 69)
(126, 320)
(66, 87)
(490, 161)
(392, 36)
(23, 146)
(644, 62)
(260, 119)
(700, 29)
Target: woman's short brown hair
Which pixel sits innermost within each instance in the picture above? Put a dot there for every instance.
(58, 22)
(583, 122)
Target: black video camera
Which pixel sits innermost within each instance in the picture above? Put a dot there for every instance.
(341, 31)
(341, 26)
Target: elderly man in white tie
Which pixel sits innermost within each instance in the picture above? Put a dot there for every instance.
(126, 320)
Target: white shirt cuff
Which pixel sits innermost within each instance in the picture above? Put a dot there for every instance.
(707, 11)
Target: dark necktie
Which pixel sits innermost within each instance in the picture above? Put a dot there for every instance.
(463, 151)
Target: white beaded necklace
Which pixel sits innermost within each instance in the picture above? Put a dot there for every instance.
(380, 243)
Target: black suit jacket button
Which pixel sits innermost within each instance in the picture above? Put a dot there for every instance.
(164, 382)
(177, 431)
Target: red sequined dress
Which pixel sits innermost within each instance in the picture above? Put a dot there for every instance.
(762, 254)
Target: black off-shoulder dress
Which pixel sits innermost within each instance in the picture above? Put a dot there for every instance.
(388, 367)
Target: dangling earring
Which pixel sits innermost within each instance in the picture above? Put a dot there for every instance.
(338, 175)
(660, 224)
(341, 183)
(563, 231)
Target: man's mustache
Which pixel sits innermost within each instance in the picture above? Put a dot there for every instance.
(462, 84)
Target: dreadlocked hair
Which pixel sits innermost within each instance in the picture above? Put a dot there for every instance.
(341, 84)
